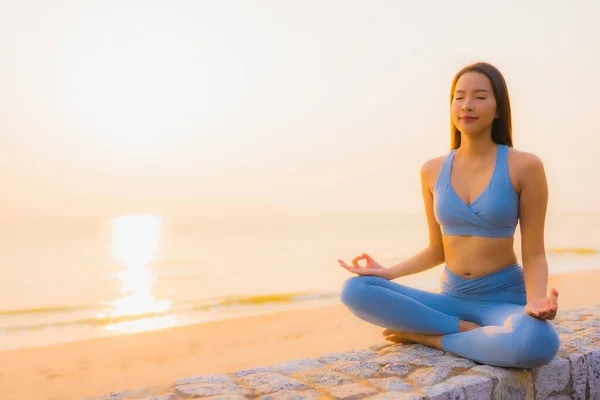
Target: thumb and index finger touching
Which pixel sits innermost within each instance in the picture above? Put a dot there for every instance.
(363, 256)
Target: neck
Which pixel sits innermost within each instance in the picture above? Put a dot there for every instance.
(476, 146)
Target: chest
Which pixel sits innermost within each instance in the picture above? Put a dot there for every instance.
(469, 181)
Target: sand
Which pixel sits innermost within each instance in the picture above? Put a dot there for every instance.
(93, 367)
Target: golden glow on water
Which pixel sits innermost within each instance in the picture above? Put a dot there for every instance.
(135, 239)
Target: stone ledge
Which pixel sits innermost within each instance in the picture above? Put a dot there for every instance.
(410, 372)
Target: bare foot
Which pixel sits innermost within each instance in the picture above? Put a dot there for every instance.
(423, 338)
(397, 336)
(465, 326)
(411, 337)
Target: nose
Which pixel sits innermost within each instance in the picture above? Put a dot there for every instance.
(467, 106)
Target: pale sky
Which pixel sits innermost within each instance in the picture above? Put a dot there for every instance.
(182, 108)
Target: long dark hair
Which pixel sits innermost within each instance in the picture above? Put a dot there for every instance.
(502, 126)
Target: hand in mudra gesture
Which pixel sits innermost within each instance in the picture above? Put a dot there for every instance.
(372, 267)
(544, 308)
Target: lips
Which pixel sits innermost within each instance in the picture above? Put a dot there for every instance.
(468, 118)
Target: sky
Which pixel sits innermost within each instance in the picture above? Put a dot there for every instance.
(231, 108)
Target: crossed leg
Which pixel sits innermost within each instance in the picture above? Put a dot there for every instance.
(402, 308)
(511, 338)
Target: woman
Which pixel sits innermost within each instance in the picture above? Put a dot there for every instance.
(489, 308)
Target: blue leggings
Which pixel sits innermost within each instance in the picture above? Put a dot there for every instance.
(508, 336)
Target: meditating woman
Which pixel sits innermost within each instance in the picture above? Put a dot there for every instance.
(490, 309)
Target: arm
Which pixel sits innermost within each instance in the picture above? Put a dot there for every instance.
(433, 254)
(532, 214)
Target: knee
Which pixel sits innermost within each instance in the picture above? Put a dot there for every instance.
(536, 342)
(356, 290)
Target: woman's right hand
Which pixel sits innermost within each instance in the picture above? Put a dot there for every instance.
(373, 268)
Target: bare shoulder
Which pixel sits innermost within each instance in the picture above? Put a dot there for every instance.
(431, 169)
(524, 160)
(525, 166)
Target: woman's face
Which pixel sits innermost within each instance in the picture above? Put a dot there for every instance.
(473, 108)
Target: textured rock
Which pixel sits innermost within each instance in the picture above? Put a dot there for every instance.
(254, 371)
(430, 376)
(564, 329)
(593, 364)
(396, 396)
(397, 358)
(354, 355)
(444, 391)
(265, 383)
(453, 361)
(406, 372)
(351, 391)
(208, 389)
(398, 370)
(579, 373)
(293, 366)
(421, 350)
(576, 340)
(508, 385)
(552, 378)
(358, 369)
(391, 384)
(592, 333)
(292, 395)
(213, 379)
(321, 378)
(475, 387)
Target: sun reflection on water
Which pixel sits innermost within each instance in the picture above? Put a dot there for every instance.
(135, 239)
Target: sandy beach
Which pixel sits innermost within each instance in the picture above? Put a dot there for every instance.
(74, 370)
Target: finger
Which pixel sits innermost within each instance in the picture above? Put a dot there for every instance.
(346, 267)
(367, 257)
(394, 338)
(554, 297)
(355, 261)
(550, 315)
(545, 312)
(535, 313)
(358, 271)
(349, 268)
(387, 332)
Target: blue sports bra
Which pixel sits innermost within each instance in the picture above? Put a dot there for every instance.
(494, 213)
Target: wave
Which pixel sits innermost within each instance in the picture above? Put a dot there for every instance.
(43, 310)
(574, 250)
(97, 317)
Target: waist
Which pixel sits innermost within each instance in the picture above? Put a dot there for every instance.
(505, 285)
(477, 255)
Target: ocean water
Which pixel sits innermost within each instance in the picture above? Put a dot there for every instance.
(146, 273)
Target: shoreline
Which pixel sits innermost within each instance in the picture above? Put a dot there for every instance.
(317, 300)
(102, 365)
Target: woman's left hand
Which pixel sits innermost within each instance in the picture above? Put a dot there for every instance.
(544, 308)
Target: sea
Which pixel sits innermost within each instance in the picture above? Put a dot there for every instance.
(139, 273)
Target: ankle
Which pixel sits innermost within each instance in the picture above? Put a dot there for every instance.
(465, 326)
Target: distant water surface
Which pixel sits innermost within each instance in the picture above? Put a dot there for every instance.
(143, 273)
